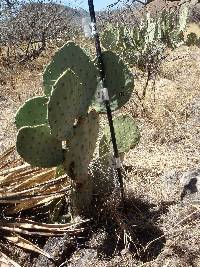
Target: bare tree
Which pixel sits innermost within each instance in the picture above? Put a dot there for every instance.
(26, 27)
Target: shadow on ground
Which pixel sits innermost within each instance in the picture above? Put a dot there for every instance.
(115, 232)
(135, 229)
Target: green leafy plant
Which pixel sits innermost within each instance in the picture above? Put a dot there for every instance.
(62, 127)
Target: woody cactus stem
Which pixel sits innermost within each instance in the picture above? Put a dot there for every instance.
(106, 101)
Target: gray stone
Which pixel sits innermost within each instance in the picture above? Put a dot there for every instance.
(191, 183)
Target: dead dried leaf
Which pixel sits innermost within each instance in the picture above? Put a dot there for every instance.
(36, 179)
(5, 261)
(25, 244)
(30, 203)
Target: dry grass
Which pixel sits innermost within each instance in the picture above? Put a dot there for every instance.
(169, 139)
(170, 146)
(193, 27)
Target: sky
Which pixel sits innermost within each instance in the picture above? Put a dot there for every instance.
(98, 4)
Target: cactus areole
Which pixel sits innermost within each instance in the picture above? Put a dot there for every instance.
(61, 128)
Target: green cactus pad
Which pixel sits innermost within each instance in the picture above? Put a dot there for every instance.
(71, 56)
(82, 145)
(127, 133)
(32, 113)
(38, 147)
(119, 81)
(183, 16)
(150, 30)
(67, 103)
(109, 39)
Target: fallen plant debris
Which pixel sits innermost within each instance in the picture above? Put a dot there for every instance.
(25, 187)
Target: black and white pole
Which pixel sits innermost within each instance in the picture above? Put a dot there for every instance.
(105, 96)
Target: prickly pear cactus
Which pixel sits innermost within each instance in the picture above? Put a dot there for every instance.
(66, 104)
(183, 16)
(136, 44)
(71, 56)
(38, 147)
(61, 128)
(127, 133)
(109, 39)
(32, 113)
(118, 80)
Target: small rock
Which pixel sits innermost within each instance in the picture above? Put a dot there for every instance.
(191, 183)
(58, 247)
